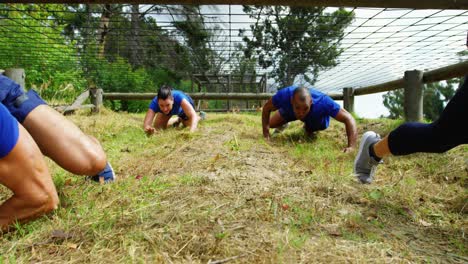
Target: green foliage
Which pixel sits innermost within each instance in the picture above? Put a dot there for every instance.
(393, 101)
(435, 97)
(118, 76)
(202, 57)
(295, 40)
(50, 60)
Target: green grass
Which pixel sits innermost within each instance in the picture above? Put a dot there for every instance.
(224, 192)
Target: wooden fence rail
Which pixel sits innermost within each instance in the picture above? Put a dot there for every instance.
(202, 96)
(445, 73)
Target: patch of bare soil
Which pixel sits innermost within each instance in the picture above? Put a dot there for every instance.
(233, 198)
(233, 207)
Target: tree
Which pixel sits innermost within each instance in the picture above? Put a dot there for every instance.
(393, 101)
(295, 40)
(197, 37)
(435, 96)
(30, 40)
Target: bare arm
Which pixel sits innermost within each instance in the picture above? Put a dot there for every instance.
(351, 131)
(191, 114)
(147, 123)
(268, 107)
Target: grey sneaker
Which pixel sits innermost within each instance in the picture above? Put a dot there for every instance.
(202, 115)
(364, 164)
(280, 129)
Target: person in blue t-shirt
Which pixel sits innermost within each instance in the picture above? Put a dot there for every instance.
(168, 103)
(22, 170)
(311, 107)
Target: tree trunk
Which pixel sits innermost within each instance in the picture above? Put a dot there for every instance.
(135, 49)
(104, 28)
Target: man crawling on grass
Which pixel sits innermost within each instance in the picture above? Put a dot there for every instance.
(171, 107)
(311, 107)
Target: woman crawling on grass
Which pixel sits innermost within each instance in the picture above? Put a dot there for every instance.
(168, 103)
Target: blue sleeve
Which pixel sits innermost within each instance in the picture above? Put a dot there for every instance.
(154, 105)
(189, 99)
(9, 131)
(331, 106)
(278, 98)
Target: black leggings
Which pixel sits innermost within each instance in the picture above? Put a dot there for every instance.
(447, 132)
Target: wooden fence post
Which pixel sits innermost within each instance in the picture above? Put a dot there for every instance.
(96, 98)
(413, 96)
(348, 99)
(17, 75)
(229, 91)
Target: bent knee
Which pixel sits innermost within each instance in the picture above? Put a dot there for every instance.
(51, 203)
(91, 158)
(95, 162)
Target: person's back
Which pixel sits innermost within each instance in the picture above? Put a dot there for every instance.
(308, 105)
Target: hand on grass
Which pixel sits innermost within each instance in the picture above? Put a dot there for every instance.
(149, 130)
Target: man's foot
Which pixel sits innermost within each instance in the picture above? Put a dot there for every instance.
(364, 164)
(280, 129)
(202, 115)
(107, 175)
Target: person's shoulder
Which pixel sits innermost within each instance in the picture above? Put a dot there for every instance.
(5, 81)
(318, 95)
(316, 92)
(178, 94)
(154, 104)
(155, 99)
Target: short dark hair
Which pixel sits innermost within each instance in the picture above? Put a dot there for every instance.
(164, 92)
(302, 94)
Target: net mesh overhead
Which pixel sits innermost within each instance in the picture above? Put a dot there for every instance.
(378, 46)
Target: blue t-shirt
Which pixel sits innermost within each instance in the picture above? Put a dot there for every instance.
(9, 131)
(176, 107)
(321, 109)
